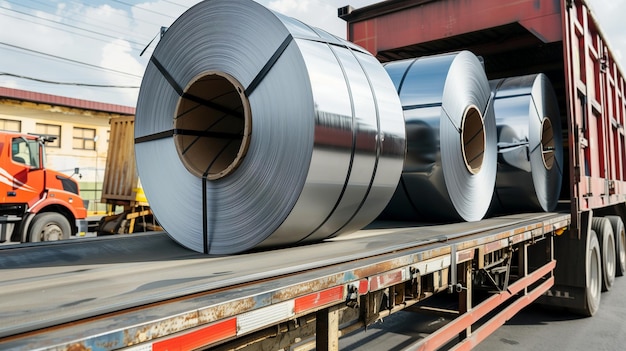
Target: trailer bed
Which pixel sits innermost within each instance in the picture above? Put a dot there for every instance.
(104, 292)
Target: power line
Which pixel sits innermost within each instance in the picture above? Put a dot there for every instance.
(142, 8)
(175, 3)
(70, 60)
(30, 11)
(117, 14)
(70, 83)
(67, 25)
(107, 28)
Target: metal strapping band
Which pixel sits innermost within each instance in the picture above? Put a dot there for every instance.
(268, 66)
(378, 143)
(205, 219)
(155, 136)
(168, 133)
(177, 88)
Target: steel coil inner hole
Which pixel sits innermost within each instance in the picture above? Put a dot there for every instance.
(212, 125)
(547, 143)
(473, 139)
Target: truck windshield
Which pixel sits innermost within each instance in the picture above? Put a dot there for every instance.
(26, 152)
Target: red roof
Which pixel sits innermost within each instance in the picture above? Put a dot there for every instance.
(64, 101)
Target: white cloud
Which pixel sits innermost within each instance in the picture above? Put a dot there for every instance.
(289, 6)
(118, 56)
(318, 13)
(131, 28)
(609, 14)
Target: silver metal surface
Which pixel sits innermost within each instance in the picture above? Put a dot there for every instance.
(450, 164)
(256, 130)
(530, 144)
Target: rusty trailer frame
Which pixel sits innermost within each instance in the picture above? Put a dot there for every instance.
(356, 293)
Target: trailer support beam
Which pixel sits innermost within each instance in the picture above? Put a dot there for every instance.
(465, 295)
(327, 329)
(460, 325)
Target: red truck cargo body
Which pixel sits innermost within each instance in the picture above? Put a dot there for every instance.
(558, 38)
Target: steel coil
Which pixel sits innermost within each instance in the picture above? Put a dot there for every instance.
(254, 129)
(450, 165)
(530, 144)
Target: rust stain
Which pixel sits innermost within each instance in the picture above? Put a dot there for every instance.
(438, 252)
(375, 269)
(108, 345)
(308, 287)
(520, 230)
(493, 246)
(158, 329)
(228, 309)
(384, 280)
(465, 256)
(517, 238)
(77, 347)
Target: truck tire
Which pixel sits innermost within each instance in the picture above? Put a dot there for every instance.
(620, 244)
(49, 226)
(593, 276)
(603, 229)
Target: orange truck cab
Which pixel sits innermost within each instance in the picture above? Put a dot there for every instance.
(36, 203)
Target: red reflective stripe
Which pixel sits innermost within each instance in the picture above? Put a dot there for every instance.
(496, 245)
(318, 299)
(363, 287)
(384, 280)
(199, 338)
(464, 256)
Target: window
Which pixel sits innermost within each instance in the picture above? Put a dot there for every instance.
(50, 129)
(25, 152)
(84, 138)
(10, 125)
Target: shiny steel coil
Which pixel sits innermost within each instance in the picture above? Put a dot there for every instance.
(450, 165)
(530, 144)
(254, 129)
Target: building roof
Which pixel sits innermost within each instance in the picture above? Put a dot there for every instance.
(57, 100)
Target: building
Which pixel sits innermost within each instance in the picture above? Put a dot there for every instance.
(81, 127)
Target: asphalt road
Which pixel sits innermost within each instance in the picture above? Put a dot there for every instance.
(538, 328)
(534, 328)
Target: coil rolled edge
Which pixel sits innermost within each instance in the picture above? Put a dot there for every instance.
(450, 164)
(530, 144)
(256, 130)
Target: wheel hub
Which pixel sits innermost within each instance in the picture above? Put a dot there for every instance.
(51, 232)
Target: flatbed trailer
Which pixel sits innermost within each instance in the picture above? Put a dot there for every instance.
(138, 294)
(150, 293)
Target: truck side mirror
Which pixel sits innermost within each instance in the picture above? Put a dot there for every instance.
(77, 171)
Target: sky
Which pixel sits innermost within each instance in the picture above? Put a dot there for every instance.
(91, 49)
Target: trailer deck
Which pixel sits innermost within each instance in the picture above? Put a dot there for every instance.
(126, 290)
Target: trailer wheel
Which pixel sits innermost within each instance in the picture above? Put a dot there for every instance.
(620, 244)
(49, 226)
(593, 273)
(603, 229)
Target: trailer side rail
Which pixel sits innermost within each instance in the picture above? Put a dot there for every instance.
(356, 293)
